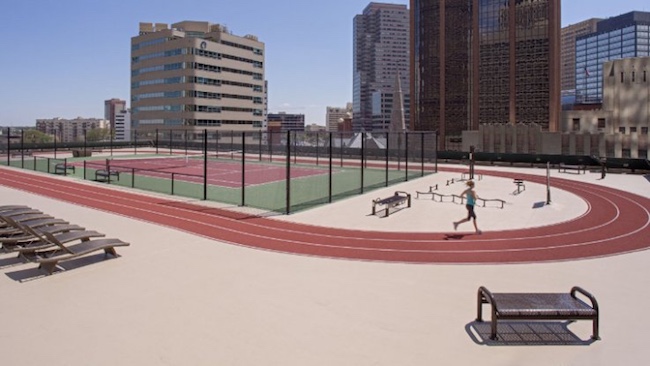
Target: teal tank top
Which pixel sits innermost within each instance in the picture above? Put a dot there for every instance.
(470, 199)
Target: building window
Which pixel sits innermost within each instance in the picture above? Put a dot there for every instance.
(621, 129)
(601, 123)
(626, 153)
(632, 129)
(576, 124)
(643, 154)
(644, 130)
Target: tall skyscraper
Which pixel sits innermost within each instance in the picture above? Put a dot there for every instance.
(487, 61)
(194, 76)
(380, 52)
(111, 107)
(623, 36)
(568, 50)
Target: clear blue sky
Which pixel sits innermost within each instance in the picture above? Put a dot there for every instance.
(64, 58)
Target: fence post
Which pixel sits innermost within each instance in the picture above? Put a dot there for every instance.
(330, 169)
(22, 149)
(288, 161)
(317, 133)
(8, 146)
(422, 153)
(435, 151)
(205, 164)
(260, 147)
(243, 169)
(387, 149)
(406, 155)
(363, 149)
(156, 141)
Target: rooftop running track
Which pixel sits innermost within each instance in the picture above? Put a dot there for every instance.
(616, 222)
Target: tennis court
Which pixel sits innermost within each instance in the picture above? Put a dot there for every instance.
(268, 185)
(217, 172)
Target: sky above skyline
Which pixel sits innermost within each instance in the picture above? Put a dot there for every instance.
(64, 58)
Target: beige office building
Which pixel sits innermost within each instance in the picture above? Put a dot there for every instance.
(334, 115)
(70, 130)
(195, 75)
(568, 51)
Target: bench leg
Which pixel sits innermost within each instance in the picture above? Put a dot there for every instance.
(493, 329)
(595, 335)
(48, 267)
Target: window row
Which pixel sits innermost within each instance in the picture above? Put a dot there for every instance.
(195, 80)
(196, 108)
(167, 67)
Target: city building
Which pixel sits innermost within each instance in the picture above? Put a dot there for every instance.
(478, 62)
(315, 128)
(623, 36)
(111, 108)
(194, 76)
(122, 129)
(380, 52)
(334, 115)
(568, 52)
(284, 122)
(70, 130)
(618, 128)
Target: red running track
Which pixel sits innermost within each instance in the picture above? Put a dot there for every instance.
(617, 222)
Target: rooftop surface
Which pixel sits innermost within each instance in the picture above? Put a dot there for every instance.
(333, 285)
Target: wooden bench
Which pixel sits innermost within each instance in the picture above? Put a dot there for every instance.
(103, 175)
(538, 306)
(578, 168)
(389, 202)
(521, 186)
(62, 168)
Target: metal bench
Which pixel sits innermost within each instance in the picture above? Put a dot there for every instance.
(521, 186)
(103, 175)
(538, 306)
(62, 168)
(389, 202)
(578, 168)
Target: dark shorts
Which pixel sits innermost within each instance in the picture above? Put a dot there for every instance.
(470, 212)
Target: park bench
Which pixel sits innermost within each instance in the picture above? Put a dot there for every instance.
(538, 306)
(521, 186)
(578, 168)
(103, 175)
(390, 202)
(62, 168)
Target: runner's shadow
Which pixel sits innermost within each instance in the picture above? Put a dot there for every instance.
(455, 236)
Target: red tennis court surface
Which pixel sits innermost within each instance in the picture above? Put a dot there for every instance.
(617, 223)
(219, 173)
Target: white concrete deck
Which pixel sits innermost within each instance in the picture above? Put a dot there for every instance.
(174, 298)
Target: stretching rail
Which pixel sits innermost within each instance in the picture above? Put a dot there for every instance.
(461, 199)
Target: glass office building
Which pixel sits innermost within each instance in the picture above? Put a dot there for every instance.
(482, 62)
(624, 36)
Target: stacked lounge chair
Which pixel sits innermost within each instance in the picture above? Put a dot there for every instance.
(43, 239)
